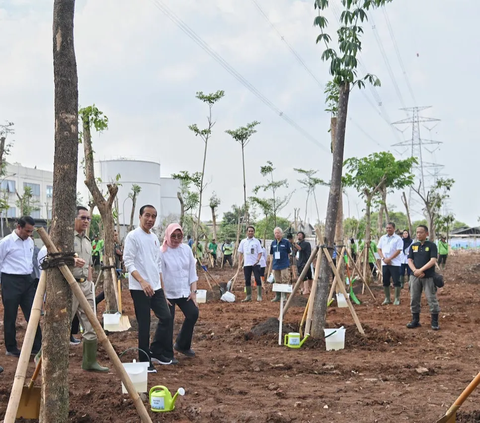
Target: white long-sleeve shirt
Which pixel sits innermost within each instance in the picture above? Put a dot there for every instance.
(142, 253)
(389, 246)
(16, 255)
(178, 271)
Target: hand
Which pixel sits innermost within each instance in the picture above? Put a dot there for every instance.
(147, 288)
(79, 262)
(387, 260)
(417, 273)
(169, 303)
(193, 297)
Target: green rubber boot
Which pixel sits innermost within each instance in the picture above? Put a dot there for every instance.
(90, 357)
(259, 293)
(398, 291)
(248, 298)
(277, 298)
(386, 290)
(402, 281)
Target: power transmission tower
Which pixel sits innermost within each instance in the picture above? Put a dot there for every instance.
(418, 147)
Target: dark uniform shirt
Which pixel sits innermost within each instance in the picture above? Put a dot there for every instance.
(282, 247)
(421, 255)
(303, 254)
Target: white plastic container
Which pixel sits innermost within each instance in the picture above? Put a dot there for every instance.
(334, 339)
(228, 297)
(111, 321)
(138, 374)
(341, 300)
(201, 296)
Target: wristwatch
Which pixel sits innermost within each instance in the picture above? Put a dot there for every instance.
(195, 292)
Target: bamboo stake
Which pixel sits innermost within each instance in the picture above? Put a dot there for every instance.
(339, 264)
(102, 338)
(20, 373)
(365, 283)
(311, 298)
(344, 292)
(300, 279)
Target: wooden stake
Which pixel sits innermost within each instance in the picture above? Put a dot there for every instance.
(102, 338)
(344, 291)
(339, 264)
(365, 283)
(311, 298)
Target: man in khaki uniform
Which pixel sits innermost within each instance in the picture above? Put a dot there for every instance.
(82, 273)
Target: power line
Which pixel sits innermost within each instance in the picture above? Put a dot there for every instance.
(200, 42)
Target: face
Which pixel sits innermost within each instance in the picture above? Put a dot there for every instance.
(147, 219)
(278, 235)
(390, 230)
(24, 233)
(250, 232)
(82, 221)
(300, 237)
(115, 236)
(176, 238)
(405, 234)
(421, 234)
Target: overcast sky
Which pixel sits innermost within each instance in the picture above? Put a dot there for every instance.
(143, 71)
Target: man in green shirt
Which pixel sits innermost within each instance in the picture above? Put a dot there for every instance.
(212, 249)
(371, 255)
(442, 252)
(227, 250)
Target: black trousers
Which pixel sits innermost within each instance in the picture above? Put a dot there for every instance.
(161, 345)
(247, 271)
(229, 259)
(393, 272)
(190, 311)
(17, 290)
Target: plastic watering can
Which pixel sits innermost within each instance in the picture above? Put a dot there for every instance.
(161, 399)
(292, 340)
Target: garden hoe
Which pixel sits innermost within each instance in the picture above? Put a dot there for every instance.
(29, 405)
(451, 414)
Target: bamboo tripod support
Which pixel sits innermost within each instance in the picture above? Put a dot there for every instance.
(102, 338)
(364, 280)
(334, 282)
(20, 373)
(311, 298)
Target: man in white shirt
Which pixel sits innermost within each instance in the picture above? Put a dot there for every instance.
(251, 250)
(18, 286)
(390, 247)
(141, 257)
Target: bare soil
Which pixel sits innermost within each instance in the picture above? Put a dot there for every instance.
(241, 374)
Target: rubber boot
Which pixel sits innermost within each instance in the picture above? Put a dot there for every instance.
(398, 291)
(306, 288)
(402, 281)
(248, 298)
(435, 322)
(90, 357)
(415, 323)
(386, 290)
(259, 293)
(278, 295)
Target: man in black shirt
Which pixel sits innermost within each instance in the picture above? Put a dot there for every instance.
(304, 250)
(421, 259)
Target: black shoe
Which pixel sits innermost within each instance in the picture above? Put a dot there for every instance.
(434, 324)
(151, 369)
(14, 353)
(74, 341)
(415, 323)
(161, 359)
(188, 353)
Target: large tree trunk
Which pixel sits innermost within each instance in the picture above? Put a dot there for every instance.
(320, 303)
(214, 223)
(105, 209)
(56, 322)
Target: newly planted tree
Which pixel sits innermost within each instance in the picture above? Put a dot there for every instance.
(188, 198)
(5, 130)
(266, 206)
(214, 203)
(204, 134)
(27, 203)
(91, 116)
(242, 135)
(136, 189)
(310, 183)
(433, 200)
(343, 68)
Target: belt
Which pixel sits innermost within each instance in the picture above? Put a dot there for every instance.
(80, 279)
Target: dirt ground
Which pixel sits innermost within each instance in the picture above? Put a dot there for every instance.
(240, 374)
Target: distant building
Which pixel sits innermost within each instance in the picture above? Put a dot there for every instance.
(12, 185)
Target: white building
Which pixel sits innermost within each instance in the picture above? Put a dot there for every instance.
(155, 190)
(16, 178)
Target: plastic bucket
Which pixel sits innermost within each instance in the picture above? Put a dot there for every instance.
(341, 300)
(334, 339)
(111, 321)
(138, 374)
(202, 296)
(228, 297)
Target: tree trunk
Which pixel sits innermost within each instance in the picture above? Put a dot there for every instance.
(105, 209)
(214, 223)
(245, 211)
(134, 205)
(2, 151)
(118, 216)
(200, 194)
(432, 233)
(182, 208)
(320, 303)
(407, 209)
(56, 322)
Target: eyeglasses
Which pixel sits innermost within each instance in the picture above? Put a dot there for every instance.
(178, 236)
(84, 218)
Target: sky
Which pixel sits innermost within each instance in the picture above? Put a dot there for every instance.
(142, 70)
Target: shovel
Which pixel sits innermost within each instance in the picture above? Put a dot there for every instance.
(451, 414)
(124, 323)
(29, 405)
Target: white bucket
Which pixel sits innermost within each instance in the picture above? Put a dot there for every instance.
(228, 297)
(334, 339)
(138, 374)
(341, 300)
(111, 321)
(202, 296)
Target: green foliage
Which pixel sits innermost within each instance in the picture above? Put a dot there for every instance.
(229, 224)
(27, 203)
(190, 198)
(214, 201)
(209, 99)
(91, 115)
(242, 135)
(344, 62)
(5, 148)
(136, 189)
(267, 225)
(95, 225)
(332, 96)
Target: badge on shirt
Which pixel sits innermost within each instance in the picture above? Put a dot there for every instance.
(277, 255)
(427, 249)
(415, 248)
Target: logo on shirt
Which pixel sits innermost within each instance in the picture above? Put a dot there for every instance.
(427, 249)
(415, 248)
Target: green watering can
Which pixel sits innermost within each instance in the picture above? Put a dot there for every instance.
(292, 340)
(161, 399)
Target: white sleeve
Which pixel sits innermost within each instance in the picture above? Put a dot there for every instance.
(400, 244)
(3, 249)
(160, 261)
(41, 255)
(380, 243)
(192, 277)
(129, 252)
